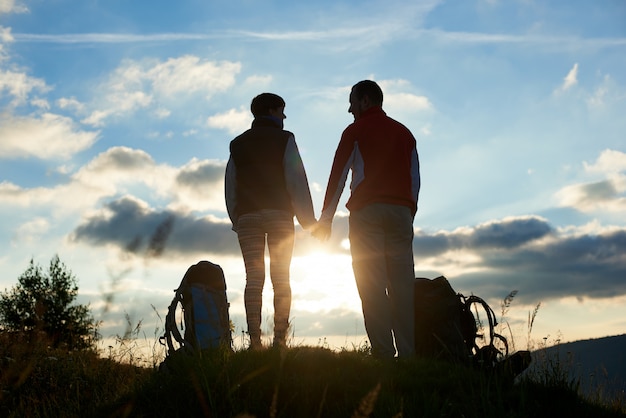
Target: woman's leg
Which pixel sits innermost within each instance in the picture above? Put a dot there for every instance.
(280, 240)
(252, 242)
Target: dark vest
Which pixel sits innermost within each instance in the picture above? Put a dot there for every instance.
(258, 155)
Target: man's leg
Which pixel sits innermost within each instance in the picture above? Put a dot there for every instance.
(367, 245)
(280, 240)
(252, 242)
(401, 273)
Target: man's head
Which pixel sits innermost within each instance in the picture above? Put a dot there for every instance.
(364, 94)
(268, 104)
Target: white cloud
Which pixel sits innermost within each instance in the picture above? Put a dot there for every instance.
(188, 74)
(5, 38)
(609, 162)
(197, 185)
(120, 102)
(19, 85)
(570, 80)
(9, 190)
(601, 196)
(116, 38)
(400, 103)
(40, 103)
(599, 97)
(606, 194)
(162, 113)
(118, 169)
(5, 35)
(234, 120)
(47, 137)
(64, 169)
(258, 81)
(408, 101)
(11, 6)
(30, 231)
(607, 93)
(106, 175)
(71, 104)
(396, 96)
(118, 159)
(14, 195)
(97, 118)
(135, 85)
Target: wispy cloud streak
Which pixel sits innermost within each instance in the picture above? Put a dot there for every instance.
(113, 38)
(319, 35)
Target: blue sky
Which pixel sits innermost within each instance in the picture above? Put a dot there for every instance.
(116, 117)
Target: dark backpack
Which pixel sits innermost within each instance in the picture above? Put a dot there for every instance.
(449, 326)
(204, 319)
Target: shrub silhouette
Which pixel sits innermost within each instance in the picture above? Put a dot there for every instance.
(41, 305)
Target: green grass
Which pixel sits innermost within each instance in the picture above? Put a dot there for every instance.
(297, 382)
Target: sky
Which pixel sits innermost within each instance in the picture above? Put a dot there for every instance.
(116, 118)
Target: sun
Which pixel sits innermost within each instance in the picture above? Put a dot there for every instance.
(321, 282)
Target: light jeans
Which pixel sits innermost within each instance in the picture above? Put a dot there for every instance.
(381, 243)
(252, 230)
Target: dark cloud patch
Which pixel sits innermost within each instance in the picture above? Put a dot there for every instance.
(203, 235)
(425, 245)
(586, 266)
(124, 222)
(123, 159)
(201, 175)
(524, 254)
(510, 233)
(598, 191)
(128, 224)
(133, 227)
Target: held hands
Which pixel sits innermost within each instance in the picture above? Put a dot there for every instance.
(321, 230)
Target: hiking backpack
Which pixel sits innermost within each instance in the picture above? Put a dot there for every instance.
(204, 320)
(448, 326)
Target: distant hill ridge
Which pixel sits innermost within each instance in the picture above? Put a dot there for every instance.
(599, 364)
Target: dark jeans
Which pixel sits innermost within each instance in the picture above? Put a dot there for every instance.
(381, 243)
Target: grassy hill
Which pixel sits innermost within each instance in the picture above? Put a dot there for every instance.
(297, 382)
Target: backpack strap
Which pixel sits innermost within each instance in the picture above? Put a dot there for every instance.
(493, 336)
(172, 332)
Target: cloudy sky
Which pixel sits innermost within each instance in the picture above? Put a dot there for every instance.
(116, 117)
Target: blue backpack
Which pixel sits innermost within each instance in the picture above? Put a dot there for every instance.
(204, 322)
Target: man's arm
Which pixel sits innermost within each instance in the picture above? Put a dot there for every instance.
(415, 176)
(344, 158)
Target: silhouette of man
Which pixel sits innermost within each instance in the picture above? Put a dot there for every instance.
(382, 155)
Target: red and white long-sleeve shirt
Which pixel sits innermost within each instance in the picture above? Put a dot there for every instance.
(382, 154)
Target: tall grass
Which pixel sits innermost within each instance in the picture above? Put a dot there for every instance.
(134, 346)
(39, 381)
